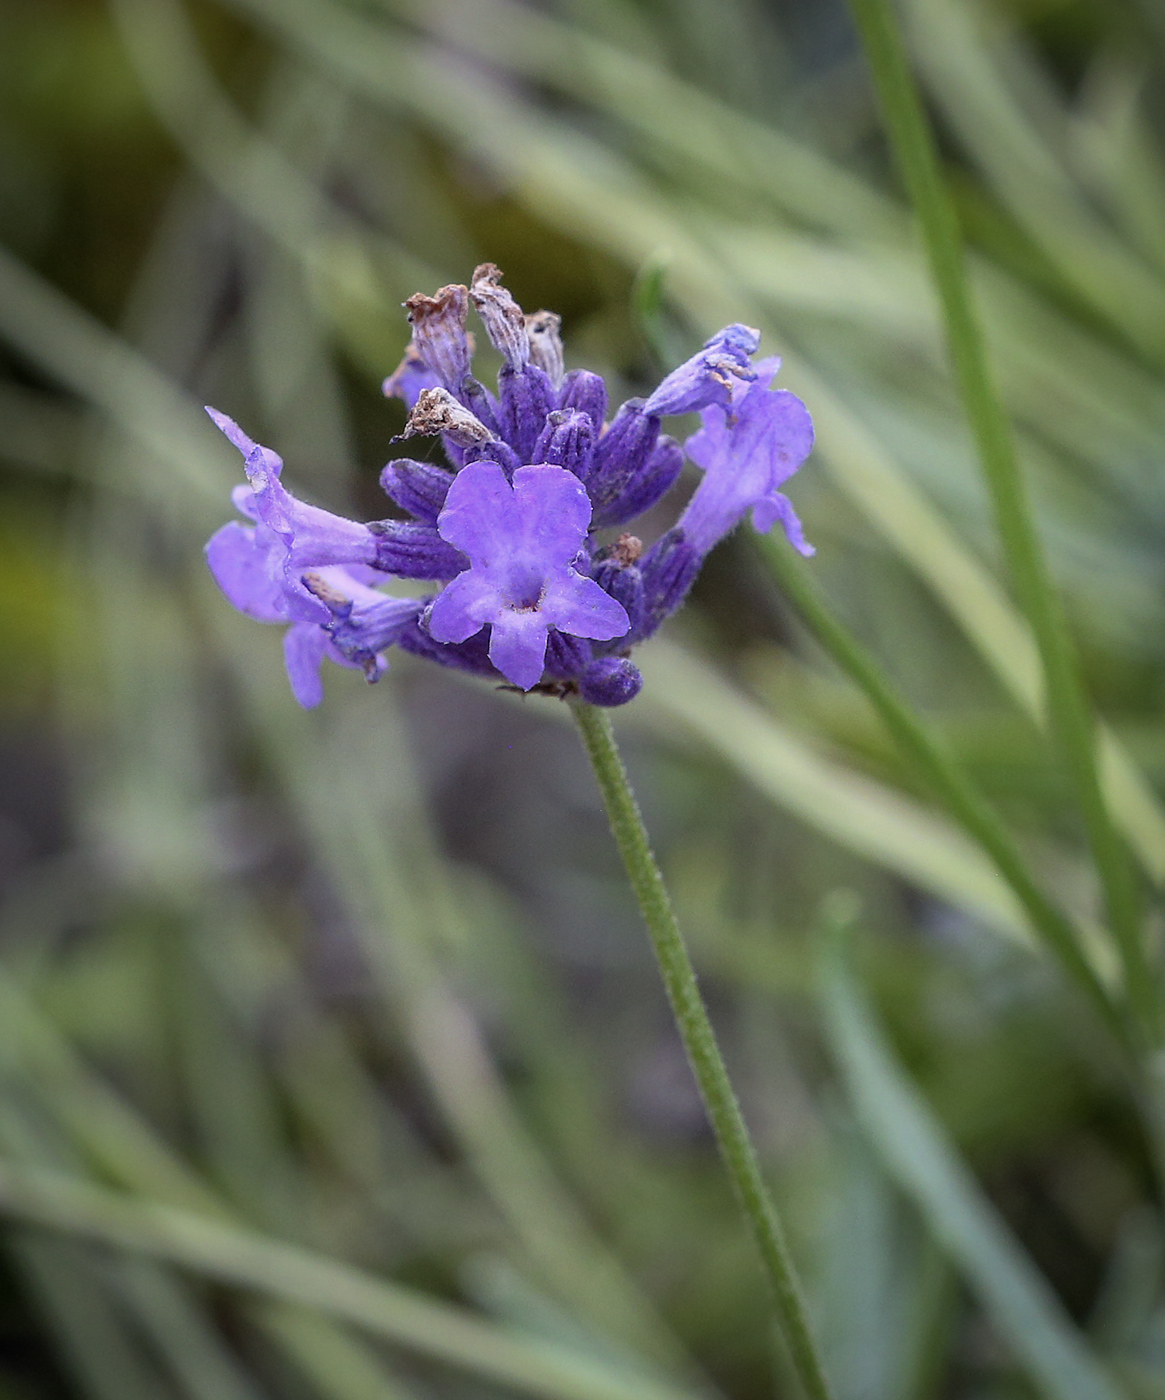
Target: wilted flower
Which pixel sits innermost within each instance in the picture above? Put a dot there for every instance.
(530, 592)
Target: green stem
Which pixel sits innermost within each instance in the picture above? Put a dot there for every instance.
(1068, 706)
(699, 1039)
(962, 798)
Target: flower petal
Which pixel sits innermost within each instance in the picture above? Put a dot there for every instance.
(776, 507)
(232, 432)
(479, 516)
(310, 537)
(410, 379)
(304, 646)
(517, 646)
(239, 562)
(579, 606)
(709, 376)
(554, 510)
(463, 607)
(746, 453)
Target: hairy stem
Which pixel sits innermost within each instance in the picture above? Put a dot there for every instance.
(699, 1039)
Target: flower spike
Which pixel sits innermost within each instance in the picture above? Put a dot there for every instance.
(528, 592)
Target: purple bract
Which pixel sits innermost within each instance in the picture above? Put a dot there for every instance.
(530, 591)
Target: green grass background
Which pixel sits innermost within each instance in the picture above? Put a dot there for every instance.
(333, 1062)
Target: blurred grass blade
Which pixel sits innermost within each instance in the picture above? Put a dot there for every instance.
(356, 273)
(919, 1156)
(83, 354)
(1031, 180)
(901, 512)
(647, 305)
(102, 1124)
(1068, 707)
(859, 813)
(121, 1143)
(180, 1331)
(96, 1343)
(944, 775)
(270, 1267)
(340, 1366)
(385, 868)
(703, 133)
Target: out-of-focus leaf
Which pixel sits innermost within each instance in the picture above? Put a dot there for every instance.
(97, 1342)
(856, 811)
(194, 1352)
(267, 1266)
(921, 1159)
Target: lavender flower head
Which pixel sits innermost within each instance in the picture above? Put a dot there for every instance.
(531, 593)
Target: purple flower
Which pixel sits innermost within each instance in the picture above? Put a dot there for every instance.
(709, 377)
(238, 559)
(290, 538)
(747, 450)
(410, 379)
(284, 568)
(522, 541)
(534, 592)
(365, 623)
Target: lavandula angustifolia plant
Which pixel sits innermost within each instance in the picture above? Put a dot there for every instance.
(534, 591)
(537, 589)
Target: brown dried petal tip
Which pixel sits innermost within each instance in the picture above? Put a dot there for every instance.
(439, 332)
(323, 590)
(626, 550)
(502, 316)
(437, 411)
(542, 330)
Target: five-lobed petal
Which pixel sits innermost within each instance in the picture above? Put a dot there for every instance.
(522, 541)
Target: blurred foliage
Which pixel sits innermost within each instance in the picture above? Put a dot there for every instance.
(367, 980)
